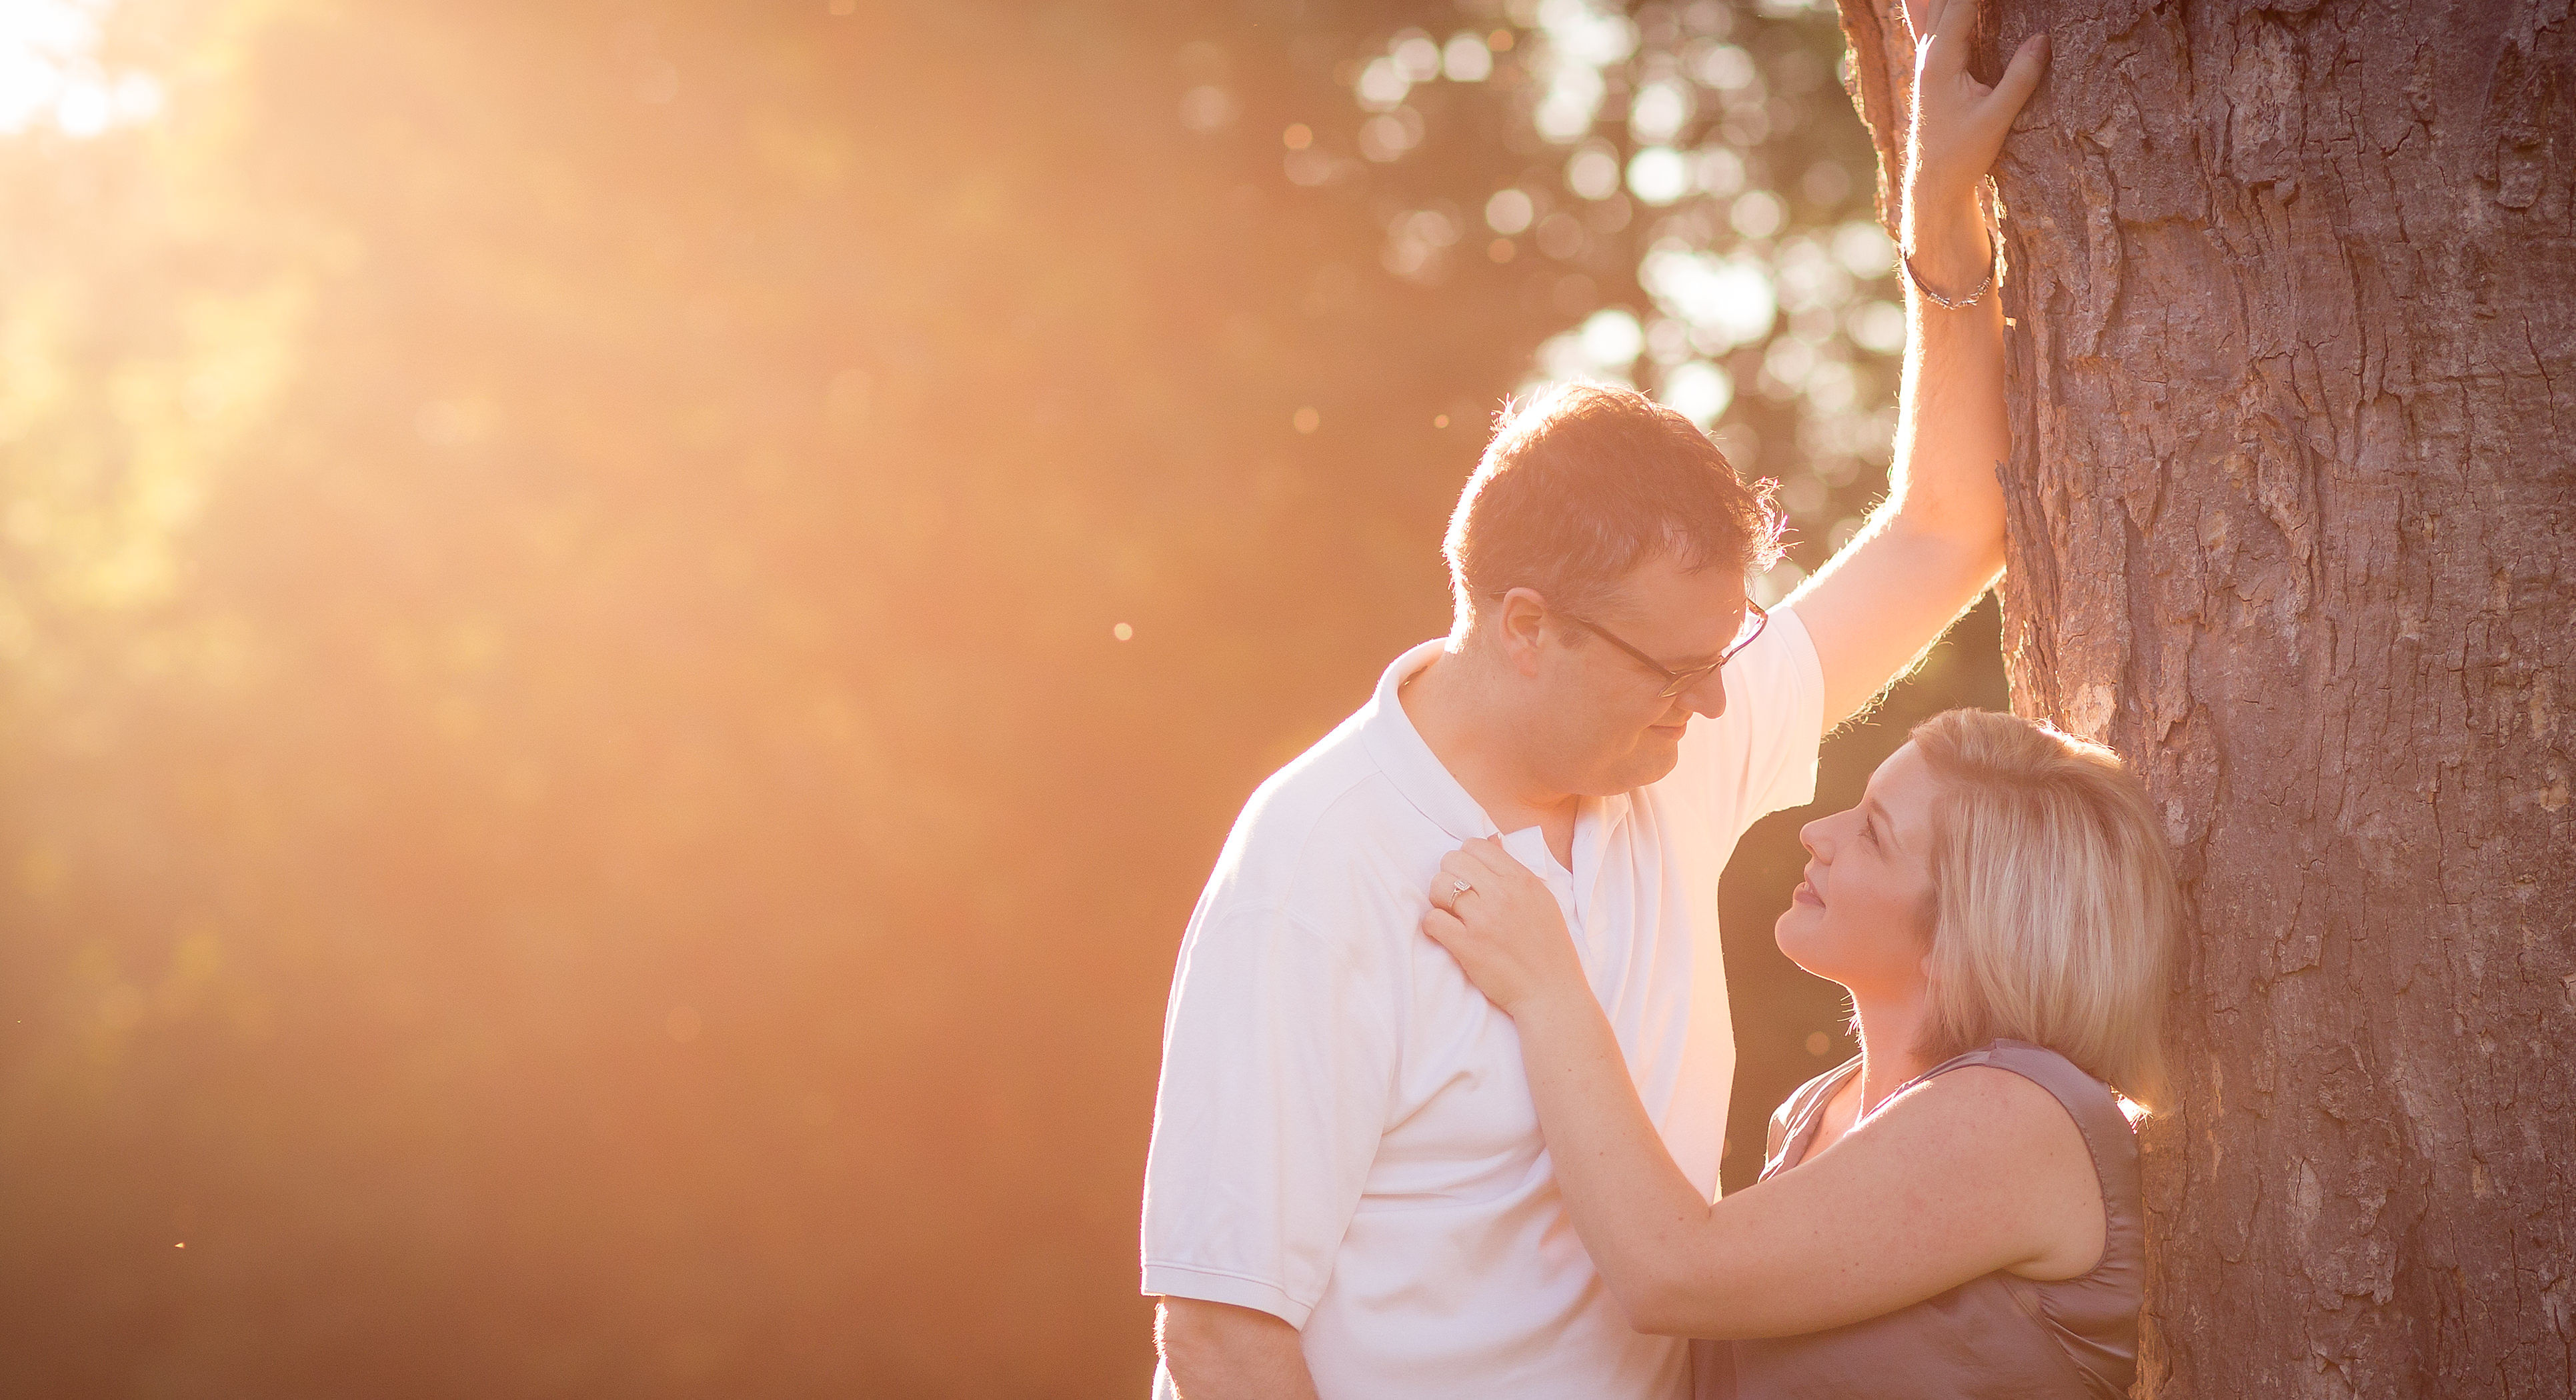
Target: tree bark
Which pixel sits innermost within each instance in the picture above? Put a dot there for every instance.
(2293, 512)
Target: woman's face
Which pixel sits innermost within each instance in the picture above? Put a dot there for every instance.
(1863, 916)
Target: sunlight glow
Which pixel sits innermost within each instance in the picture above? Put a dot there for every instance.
(49, 71)
(1582, 39)
(1728, 300)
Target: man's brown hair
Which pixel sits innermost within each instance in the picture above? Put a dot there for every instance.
(1585, 482)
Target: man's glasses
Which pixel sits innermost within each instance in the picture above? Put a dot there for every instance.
(1675, 682)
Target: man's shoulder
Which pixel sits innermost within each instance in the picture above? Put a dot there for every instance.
(1331, 792)
(1328, 824)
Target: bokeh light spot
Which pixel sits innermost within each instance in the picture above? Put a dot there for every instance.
(1878, 327)
(1416, 57)
(1864, 249)
(1207, 108)
(1659, 175)
(1727, 301)
(1725, 68)
(1612, 338)
(1467, 59)
(1757, 214)
(1593, 172)
(1698, 391)
(1123, 632)
(1382, 85)
(1561, 236)
(1721, 172)
(1659, 112)
(1388, 136)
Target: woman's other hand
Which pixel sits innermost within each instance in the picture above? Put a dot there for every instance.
(1958, 130)
(1505, 929)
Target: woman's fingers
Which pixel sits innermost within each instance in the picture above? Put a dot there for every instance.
(1941, 43)
(1488, 857)
(1443, 926)
(2020, 79)
(1489, 872)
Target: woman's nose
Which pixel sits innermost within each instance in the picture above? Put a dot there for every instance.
(1812, 836)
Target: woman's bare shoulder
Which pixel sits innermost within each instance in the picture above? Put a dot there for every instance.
(2010, 1135)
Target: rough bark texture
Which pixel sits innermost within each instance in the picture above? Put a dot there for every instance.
(2294, 526)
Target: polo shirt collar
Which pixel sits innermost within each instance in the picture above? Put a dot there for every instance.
(1408, 762)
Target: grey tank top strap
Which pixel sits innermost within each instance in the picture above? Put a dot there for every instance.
(1793, 1124)
(2090, 1102)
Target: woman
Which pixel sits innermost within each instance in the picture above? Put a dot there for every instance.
(1955, 1212)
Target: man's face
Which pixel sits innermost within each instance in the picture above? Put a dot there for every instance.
(1602, 727)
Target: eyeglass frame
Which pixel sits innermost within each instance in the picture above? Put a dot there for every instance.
(1675, 682)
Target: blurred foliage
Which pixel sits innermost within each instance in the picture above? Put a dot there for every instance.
(578, 820)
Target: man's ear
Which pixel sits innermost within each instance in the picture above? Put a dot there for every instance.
(1520, 621)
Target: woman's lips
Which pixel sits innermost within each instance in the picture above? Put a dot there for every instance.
(1805, 894)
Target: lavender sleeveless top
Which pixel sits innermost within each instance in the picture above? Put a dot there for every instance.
(2000, 1335)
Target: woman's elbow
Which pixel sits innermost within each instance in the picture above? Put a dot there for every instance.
(1660, 1305)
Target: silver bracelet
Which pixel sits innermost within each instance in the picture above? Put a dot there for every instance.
(1994, 263)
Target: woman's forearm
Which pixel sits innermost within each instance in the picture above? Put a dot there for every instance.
(1952, 429)
(1638, 1215)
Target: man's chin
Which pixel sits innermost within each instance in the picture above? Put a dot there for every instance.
(1651, 762)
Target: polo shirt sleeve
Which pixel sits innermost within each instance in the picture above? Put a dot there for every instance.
(1760, 756)
(1279, 1053)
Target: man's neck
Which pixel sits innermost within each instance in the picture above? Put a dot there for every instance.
(1455, 714)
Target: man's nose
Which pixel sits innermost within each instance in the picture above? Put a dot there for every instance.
(1707, 695)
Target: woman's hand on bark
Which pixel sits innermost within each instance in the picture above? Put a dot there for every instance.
(1958, 131)
(1505, 931)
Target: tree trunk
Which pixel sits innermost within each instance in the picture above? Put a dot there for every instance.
(2293, 524)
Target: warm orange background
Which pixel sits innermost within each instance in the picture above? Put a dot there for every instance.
(575, 821)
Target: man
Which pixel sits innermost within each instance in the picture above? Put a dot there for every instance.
(1347, 1196)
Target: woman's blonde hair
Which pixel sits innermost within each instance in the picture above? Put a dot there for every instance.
(2054, 907)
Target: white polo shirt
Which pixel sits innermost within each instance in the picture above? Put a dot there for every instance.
(1343, 1136)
